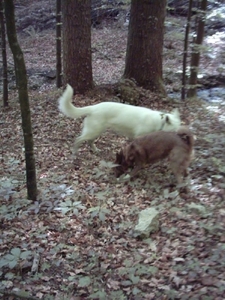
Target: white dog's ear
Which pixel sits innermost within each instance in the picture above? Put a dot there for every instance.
(175, 112)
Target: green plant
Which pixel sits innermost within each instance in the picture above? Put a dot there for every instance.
(102, 168)
(15, 257)
(70, 206)
(9, 212)
(98, 211)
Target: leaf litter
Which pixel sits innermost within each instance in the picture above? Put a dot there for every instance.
(82, 224)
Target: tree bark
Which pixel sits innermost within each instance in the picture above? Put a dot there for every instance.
(58, 45)
(196, 51)
(77, 58)
(186, 50)
(4, 57)
(145, 44)
(21, 80)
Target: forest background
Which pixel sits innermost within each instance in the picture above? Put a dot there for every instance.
(81, 226)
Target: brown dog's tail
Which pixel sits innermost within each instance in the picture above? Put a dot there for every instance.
(186, 135)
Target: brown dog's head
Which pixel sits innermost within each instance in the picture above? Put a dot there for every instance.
(123, 161)
(122, 164)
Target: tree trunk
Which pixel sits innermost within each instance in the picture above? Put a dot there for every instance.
(21, 80)
(58, 45)
(196, 50)
(77, 58)
(145, 44)
(4, 57)
(186, 51)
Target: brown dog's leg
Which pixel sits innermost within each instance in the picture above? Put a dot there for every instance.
(180, 170)
(135, 170)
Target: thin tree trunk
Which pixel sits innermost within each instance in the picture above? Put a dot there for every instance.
(58, 45)
(4, 57)
(195, 57)
(186, 50)
(21, 80)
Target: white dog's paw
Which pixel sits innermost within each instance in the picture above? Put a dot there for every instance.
(93, 148)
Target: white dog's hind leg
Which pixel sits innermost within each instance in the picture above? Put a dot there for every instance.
(79, 140)
(91, 130)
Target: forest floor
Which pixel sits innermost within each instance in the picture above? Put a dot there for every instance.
(80, 231)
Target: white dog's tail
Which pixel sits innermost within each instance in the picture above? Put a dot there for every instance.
(68, 109)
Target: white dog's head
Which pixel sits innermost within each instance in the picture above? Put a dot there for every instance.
(171, 121)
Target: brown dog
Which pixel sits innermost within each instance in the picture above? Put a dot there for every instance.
(177, 146)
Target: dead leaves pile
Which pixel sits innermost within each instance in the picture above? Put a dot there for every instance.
(81, 227)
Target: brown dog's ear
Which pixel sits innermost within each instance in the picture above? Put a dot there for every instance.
(184, 137)
(187, 138)
(131, 161)
(119, 157)
(130, 154)
(131, 148)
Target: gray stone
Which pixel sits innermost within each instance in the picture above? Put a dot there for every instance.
(148, 222)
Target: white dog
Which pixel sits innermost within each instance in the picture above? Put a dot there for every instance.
(128, 120)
